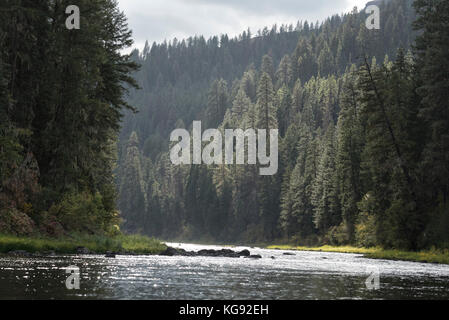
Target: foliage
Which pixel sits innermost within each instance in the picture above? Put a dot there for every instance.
(431, 256)
(95, 244)
(350, 127)
(364, 147)
(62, 94)
(15, 222)
(84, 213)
(365, 230)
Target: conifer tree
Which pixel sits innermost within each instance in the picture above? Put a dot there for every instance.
(325, 196)
(284, 113)
(350, 146)
(268, 66)
(266, 112)
(284, 74)
(132, 195)
(432, 51)
(217, 103)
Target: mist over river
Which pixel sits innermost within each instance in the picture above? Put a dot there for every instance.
(304, 275)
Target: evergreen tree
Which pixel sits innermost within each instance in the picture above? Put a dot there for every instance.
(268, 66)
(297, 210)
(65, 96)
(248, 84)
(218, 102)
(432, 51)
(240, 108)
(283, 109)
(266, 112)
(325, 196)
(284, 74)
(132, 195)
(393, 147)
(350, 146)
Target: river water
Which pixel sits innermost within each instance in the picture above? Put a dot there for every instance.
(304, 275)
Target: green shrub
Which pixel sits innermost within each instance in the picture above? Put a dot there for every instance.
(436, 233)
(84, 212)
(365, 230)
(15, 222)
(50, 226)
(141, 244)
(95, 244)
(337, 236)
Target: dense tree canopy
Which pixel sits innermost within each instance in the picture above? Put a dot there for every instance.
(361, 118)
(61, 99)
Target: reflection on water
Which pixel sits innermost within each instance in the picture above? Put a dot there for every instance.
(305, 275)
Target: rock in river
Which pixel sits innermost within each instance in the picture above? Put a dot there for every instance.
(82, 250)
(20, 253)
(226, 253)
(169, 252)
(256, 256)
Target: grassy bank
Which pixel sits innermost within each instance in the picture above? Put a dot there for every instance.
(96, 244)
(430, 256)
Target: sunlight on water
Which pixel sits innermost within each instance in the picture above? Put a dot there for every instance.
(304, 275)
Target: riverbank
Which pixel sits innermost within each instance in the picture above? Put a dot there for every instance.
(123, 244)
(426, 256)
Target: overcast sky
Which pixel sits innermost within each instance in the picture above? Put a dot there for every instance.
(157, 20)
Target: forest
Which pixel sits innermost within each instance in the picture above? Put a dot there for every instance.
(363, 120)
(363, 123)
(61, 105)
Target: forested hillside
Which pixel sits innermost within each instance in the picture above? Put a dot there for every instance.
(358, 124)
(61, 101)
(362, 116)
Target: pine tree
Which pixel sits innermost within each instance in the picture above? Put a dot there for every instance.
(350, 146)
(266, 112)
(240, 108)
(248, 84)
(132, 195)
(297, 210)
(268, 66)
(305, 66)
(61, 125)
(329, 101)
(392, 151)
(326, 62)
(325, 199)
(10, 150)
(298, 97)
(284, 113)
(284, 74)
(217, 103)
(432, 51)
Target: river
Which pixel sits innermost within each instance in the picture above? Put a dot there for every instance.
(304, 275)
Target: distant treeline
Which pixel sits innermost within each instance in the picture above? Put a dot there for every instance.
(364, 124)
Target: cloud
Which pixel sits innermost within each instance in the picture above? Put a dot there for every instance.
(159, 20)
(270, 7)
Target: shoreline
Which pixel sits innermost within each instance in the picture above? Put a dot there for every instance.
(438, 256)
(80, 244)
(143, 245)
